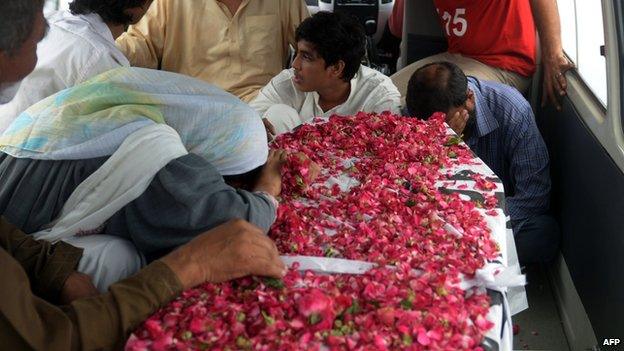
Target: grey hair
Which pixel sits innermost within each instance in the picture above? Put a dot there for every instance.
(17, 19)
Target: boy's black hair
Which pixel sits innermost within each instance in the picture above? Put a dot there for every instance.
(111, 11)
(335, 36)
(246, 181)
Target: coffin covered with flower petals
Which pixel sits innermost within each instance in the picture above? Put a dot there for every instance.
(399, 243)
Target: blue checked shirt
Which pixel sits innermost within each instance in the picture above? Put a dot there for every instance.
(506, 138)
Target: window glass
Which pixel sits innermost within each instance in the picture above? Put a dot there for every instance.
(590, 32)
(582, 35)
(568, 27)
(50, 5)
(64, 4)
(57, 4)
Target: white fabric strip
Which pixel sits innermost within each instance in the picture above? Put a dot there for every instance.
(119, 181)
(491, 276)
(328, 265)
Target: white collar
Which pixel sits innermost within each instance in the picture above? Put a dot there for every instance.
(93, 20)
(354, 82)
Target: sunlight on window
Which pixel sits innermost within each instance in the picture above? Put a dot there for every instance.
(51, 5)
(64, 4)
(582, 36)
(592, 65)
(568, 27)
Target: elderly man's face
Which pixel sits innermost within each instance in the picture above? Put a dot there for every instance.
(20, 63)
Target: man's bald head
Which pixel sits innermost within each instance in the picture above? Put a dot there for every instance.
(436, 87)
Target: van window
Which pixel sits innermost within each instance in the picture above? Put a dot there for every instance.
(57, 4)
(50, 5)
(582, 35)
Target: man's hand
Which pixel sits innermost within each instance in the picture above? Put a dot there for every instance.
(555, 83)
(270, 129)
(314, 170)
(270, 179)
(77, 286)
(232, 250)
(458, 121)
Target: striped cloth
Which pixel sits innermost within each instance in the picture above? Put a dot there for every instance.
(92, 119)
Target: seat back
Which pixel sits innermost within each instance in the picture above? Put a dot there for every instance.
(422, 33)
(377, 10)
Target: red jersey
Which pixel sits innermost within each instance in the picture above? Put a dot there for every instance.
(499, 33)
(395, 21)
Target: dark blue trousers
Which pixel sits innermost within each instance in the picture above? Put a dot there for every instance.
(537, 239)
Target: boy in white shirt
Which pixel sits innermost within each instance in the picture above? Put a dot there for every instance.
(79, 45)
(326, 77)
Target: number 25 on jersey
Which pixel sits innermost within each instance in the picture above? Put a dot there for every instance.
(455, 24)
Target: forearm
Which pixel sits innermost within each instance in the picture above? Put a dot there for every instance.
(106, 321)
(98, 323)
(47, 266)
(521, 207)
(262, 102)
(276, 92)
(27, 321)
(258, 208)
(546, 15)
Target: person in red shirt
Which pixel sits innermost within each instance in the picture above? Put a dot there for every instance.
(395, 21)
(495, 40)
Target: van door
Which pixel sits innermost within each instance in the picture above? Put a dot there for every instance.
(586, 144)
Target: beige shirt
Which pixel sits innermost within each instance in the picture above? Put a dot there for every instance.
(238, 52)
(286, 107)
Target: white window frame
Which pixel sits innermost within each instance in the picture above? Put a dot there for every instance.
(604, 123)
(582, 56)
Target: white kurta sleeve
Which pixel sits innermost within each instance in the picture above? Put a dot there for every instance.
(284, 118)
(279, 102)
(278, 91)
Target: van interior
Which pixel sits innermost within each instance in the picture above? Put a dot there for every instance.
(577, 302)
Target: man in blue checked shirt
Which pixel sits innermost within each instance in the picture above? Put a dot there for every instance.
(497, 123)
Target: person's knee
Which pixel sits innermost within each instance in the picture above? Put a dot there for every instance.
(552, 237)
(537, 239)
(123, 255)
(108, 259)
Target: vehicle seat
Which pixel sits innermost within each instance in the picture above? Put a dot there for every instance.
(422, 33)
